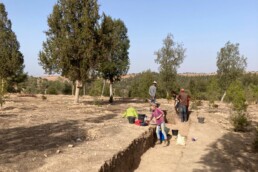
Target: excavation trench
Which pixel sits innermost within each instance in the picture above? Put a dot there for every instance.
(129, 158)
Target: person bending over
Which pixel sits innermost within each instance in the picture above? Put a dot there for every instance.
(159, 116)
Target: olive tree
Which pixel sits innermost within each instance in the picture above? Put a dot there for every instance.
(231, 65)
(169, 57)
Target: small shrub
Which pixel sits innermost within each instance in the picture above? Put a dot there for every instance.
(52, 90)
(194, 106)
(215, 105)
(201, 96)
(251, 93)
(43, 97)
(212, 107)
(236, 96)
(67, 88)
(213, 90)
(198, 103)
(97, 101)
(239, 120)
(95, 88)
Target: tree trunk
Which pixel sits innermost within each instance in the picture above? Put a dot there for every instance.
(73, 88)
(84, 89)
(111, 92)
(2, 93)
(167, 94)
(2, 89)
(222, 98)
(78, 85)
(103, 88)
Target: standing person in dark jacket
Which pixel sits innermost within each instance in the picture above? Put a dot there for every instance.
(187, 107)
(183, 104)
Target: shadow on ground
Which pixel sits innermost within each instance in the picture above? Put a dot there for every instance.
(100, 119)
(232, 152)
(24, 149)
(8, 108)
(117, 101)
(7, 115)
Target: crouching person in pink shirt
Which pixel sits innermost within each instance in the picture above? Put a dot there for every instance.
(159, 116)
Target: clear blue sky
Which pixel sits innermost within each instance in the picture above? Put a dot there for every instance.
(203, 26)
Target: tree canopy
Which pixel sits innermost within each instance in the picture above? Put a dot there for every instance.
(231, 65)
(11, 59)
(170, 56)
(114, 45)
(71, 48)
(71, 39)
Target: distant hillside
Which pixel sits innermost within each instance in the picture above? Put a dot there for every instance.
(197, 74)
(188, 74)
(54, 78)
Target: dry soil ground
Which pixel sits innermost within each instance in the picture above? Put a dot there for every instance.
(56, 135)
(212, 146)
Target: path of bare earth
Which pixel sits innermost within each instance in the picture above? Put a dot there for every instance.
(216, 146)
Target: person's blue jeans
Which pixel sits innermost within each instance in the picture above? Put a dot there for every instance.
(162, 127)
(183, 113)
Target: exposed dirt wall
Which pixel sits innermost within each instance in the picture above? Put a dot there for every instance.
(129, 158)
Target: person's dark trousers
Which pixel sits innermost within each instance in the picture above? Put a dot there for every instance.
(153, 100)
(183, 113)
(177, 108)
(187, 112)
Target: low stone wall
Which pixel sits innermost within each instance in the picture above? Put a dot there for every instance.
(129, 159)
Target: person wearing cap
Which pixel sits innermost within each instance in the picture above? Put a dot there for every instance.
(183, 98)
(152, 92)
(160, 121)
